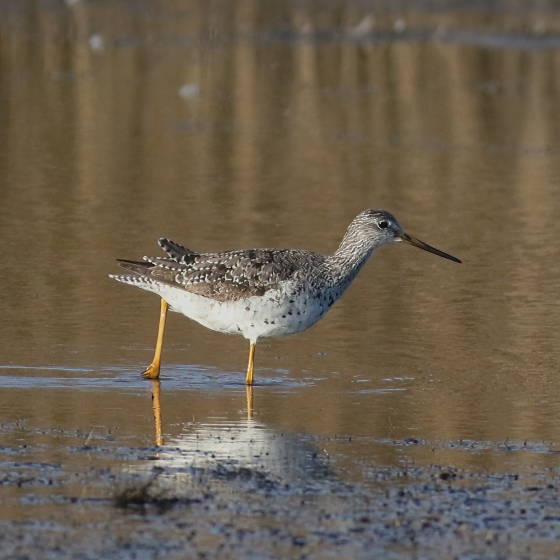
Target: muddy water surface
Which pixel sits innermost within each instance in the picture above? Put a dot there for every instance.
(246, 124)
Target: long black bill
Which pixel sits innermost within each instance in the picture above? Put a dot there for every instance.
(422, 245)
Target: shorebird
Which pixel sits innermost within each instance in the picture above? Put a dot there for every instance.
(260, 293)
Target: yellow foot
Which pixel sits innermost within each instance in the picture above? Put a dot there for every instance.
(152, 372)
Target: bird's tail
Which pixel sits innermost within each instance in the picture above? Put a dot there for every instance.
(140, 278)
(134, 266)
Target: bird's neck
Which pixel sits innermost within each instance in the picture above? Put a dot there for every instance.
(350, 257)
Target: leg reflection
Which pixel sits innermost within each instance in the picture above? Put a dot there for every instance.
(249, 402)
(156, 404)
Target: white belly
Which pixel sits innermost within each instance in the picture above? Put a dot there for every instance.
(277, 313)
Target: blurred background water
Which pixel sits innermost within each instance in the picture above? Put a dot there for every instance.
(238, 124)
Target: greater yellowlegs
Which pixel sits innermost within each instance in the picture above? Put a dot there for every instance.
(260, 293)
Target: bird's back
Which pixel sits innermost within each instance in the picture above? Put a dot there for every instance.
(227, 276)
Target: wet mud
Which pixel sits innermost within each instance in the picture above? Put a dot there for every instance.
(269, 496)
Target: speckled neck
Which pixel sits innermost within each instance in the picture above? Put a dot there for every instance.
(355, 249)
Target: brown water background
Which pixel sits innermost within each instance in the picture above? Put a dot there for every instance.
(226, 125)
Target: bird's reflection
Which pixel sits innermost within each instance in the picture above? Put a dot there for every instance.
(249, 402)
(229, 448)
(156, 405)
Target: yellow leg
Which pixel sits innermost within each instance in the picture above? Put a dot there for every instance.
(249, 402)
(249, 380)
(152, 372)
(156, 404)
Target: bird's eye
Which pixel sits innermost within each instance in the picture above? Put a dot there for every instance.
(383, 224)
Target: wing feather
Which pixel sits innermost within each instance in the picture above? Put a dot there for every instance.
(223, 276)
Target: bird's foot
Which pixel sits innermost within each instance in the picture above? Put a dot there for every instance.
(151, 372)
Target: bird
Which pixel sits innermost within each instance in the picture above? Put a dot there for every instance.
(260, 293)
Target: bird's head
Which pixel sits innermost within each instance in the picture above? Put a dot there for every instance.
(382, 228)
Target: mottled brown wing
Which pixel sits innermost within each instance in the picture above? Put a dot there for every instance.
(223, 276)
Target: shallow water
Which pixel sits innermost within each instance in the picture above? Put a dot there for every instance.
(231, 125)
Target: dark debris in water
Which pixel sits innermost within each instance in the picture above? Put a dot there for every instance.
(462, 444)
(141, 493)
